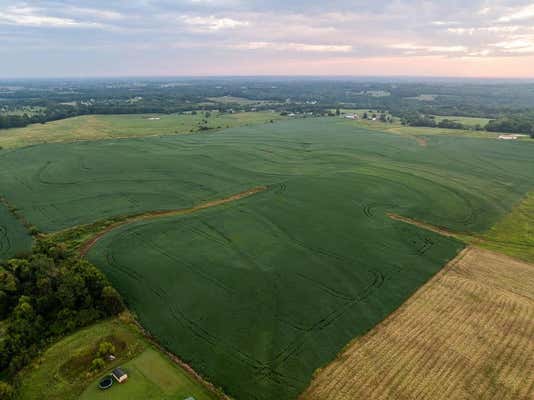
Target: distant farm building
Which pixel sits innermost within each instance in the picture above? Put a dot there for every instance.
(119, 375)
(510, 137)
(352, 116)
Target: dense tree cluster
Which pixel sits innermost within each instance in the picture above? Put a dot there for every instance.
(45, 295)
(53, 113)
(513, 124)
(52, 100)
(418, 119)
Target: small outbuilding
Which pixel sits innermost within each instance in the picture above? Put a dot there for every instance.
(119, 375)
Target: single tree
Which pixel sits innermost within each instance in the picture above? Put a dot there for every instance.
(97, 364)
(106, 349)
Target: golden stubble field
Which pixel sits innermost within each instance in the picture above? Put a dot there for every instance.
(467, 334)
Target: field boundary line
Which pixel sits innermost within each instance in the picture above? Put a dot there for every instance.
(17, 215)
(456, 270)
(391, 318)
(86, 246)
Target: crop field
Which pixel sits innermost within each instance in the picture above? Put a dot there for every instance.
(467, 334)
(258, 293)
(94, 127)
(264, 286)
(150, 377)
(13, 235)
(464, 184)
(467, 121)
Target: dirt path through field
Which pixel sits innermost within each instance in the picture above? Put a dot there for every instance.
(88, 244)
(423, 225)
(468, 333)
(465, 237)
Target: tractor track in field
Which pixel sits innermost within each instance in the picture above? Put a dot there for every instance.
(87, 245)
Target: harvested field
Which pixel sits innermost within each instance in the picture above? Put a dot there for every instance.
(467, 334)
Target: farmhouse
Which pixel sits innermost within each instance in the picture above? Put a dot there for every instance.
(119, 375)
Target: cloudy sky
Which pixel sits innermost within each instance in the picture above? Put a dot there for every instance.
(267, 37)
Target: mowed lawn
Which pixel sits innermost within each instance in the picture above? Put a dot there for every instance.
(63, 371)
(14, 238)
(150, 377)
(259, 293)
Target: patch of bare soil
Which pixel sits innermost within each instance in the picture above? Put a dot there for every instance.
(421, 141)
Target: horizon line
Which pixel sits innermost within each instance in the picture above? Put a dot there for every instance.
(294, 76)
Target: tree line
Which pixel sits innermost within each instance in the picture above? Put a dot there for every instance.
(523, 124)
(513, 124)
(45, 295)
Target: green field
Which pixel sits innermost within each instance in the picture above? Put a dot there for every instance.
(14, 238)
(236, 100)
(94, 127)
(466, 121)
(63, 371)
(259, 293)
(419, 131)
(462, 183)
(514, 234)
